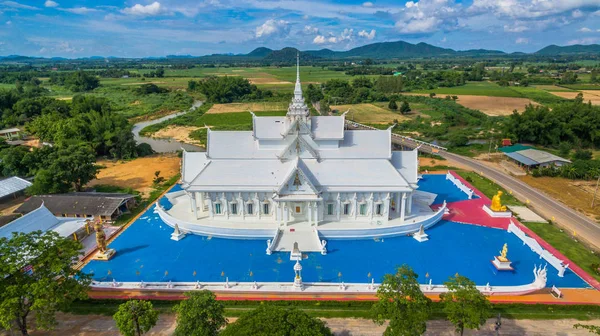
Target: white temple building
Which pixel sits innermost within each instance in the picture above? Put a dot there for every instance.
(300, 178)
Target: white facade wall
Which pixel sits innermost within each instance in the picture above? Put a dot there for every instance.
(343, 206)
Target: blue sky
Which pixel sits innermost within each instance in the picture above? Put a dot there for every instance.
(139, 28)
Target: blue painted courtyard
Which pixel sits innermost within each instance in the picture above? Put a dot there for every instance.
(146, 252)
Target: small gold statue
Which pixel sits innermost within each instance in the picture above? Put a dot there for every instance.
(503, 253)
(100, 237)
(497, 202)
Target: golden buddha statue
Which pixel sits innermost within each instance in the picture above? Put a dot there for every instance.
(497, 202)
(503, 253)
(100, 237)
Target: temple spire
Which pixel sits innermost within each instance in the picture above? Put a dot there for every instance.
(298, 88)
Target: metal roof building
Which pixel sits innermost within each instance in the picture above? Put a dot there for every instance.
(12, 187)
(533, 158)
(41, 219)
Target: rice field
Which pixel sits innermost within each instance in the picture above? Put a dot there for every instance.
(245, 107)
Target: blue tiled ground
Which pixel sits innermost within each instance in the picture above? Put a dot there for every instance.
(445, 189)
(146, 252)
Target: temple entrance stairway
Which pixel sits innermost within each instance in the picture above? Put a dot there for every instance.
(306, 236)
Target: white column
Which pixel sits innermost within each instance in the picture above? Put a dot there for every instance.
(201, 202)
(242, 206)
(403, 210)
(211, 212)
(410, 202)
(354, 205)
(257, 205)
(338, 207)
(371, 206)
(285, 214)
(386, 207)
(226, 207)
(309, 212)
(191, 197)
(316, 212)
(194, 207)
(398, 203)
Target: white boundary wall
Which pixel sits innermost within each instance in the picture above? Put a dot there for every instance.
(539, 282)
(458, 183)
(537, 248)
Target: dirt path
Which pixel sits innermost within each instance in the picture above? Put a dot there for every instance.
(177, 133)
(97, 325)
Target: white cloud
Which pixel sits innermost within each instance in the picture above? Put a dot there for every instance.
(515, 28)
(577, 14)
(273, 27)
(586, 40)
(522, 40)
(367, 35)
(14, 4)
(585, 30)
(428, 16)
(8, 23)
(367, 4)
(319, 39)
(152, 9)
(79, 10)
(310, 30)
(50, 3)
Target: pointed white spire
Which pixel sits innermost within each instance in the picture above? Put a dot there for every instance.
(298, 88)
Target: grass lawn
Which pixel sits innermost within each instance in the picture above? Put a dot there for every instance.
(488, 188)
(245, 107)
(472, 150)
(565, 243)
(354, 309)
(7, 86)
(369, 113)
(551, 88)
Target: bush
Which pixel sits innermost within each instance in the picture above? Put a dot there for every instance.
(144, 149)
(582, 154)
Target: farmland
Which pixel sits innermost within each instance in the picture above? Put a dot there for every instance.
(245, 107)
(369, 113)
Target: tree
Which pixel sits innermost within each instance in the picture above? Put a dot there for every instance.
(432, 94)
(404, 108)
(393, 105)
(66, 168)
(582, 154)
(199, 315)
(81, 81)
(135, 317)
(269, 320)
(564, 148)
(591, 328)
(402, 302)
(37, 275)
(464, 304)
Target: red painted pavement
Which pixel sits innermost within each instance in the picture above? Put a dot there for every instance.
(471, 212)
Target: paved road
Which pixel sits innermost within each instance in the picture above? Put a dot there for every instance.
(96, 325)
(585, 228)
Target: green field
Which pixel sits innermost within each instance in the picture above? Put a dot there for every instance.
(7, 86)
(583, 86)
(475, 89)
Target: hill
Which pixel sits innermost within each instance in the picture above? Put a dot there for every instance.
(288, 55)
(382, 50)
(569, 50)
(259, 52)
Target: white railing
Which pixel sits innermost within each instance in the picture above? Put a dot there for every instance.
(539, 282)
(355, 124)
(322, 243)
(458, 183)
(537, 248)
(272, 243)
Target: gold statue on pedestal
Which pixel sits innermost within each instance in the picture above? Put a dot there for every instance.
(104, 253)
(503, 253)
(497, 202)
(100, 237)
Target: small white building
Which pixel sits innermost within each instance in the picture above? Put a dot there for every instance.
(300, 173)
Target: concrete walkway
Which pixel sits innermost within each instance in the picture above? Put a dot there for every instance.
(97, 325)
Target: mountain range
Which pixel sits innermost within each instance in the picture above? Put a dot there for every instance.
(380, 50)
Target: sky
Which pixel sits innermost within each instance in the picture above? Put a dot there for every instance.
(142, 28)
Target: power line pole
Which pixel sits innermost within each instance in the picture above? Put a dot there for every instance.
(595, 191)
